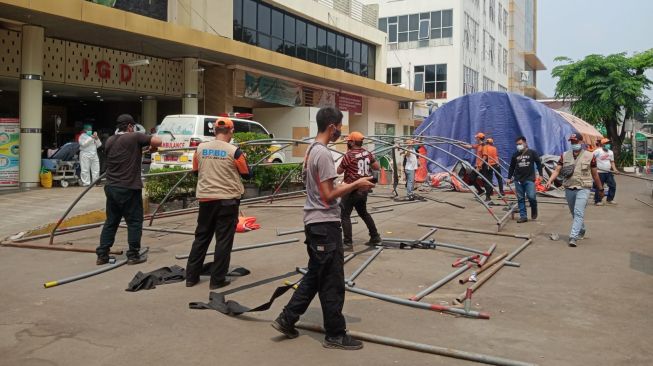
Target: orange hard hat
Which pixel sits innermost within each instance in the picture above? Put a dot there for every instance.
(480, 135)
(490, 140)
(355, 136)
(605, 141)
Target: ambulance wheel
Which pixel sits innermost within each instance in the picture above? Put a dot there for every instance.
(64, 183)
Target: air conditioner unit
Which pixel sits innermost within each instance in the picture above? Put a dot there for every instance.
(525, 76)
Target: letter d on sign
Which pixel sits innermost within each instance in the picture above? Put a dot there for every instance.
(125, 73)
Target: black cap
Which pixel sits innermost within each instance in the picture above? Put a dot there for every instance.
(125, 118)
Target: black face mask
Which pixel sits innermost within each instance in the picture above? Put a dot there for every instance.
(335, 135)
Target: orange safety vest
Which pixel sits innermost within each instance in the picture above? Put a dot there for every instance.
(492, 155)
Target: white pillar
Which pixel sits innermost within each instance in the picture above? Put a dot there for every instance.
(189, 97)
(149, 112)
(31, 104)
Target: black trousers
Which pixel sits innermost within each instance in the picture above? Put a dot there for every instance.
(216, 218)
(357, 200)
(496, 170)
(483, 185)
(122, 203)
(325, 277)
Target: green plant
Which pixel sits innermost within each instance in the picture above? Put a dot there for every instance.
(158, 186)
(270, 176)
(254, 152)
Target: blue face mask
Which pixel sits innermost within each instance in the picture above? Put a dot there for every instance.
(607, 146)
(576, 147)
(90, 133)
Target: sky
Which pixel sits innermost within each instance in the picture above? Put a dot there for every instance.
(576, 28)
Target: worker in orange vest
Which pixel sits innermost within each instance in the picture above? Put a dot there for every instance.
(481, 166)
(493, 159)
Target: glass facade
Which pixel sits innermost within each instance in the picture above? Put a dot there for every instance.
(422, 26)
(432, 80)
(264, 26)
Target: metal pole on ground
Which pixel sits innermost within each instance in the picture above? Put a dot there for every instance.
(360, 269)
(485, 267)
(441, 282)
(478, 231)
(435, 244)
(421, 347)
(255, 246)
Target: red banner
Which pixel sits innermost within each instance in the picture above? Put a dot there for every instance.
(348, 102)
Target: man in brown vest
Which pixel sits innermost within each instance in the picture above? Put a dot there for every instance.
(577, 167)
(219, 166)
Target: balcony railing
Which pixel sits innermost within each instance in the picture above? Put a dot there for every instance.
(368, 14)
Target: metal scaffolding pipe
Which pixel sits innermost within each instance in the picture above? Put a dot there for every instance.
(485, 267)
(461, 261)
(421, 347)
(478, 231)
(360, 269)
(91, 273)
(396, 204)
(255, 246)
(412, 304)
(54, 247)
(426, 236)
(441, 282)
(165, 198)
(70, 208)
(442, 201)
(484, 258)
(62, 231)
(435, 244)
(163, 230)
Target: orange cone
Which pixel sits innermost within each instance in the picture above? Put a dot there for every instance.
(384, 178)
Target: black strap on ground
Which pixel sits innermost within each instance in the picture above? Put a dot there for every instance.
(149, 280)
(165, 275)
(218, 302)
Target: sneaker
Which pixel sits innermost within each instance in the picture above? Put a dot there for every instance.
(345, 342)
(533, 214)
(284, 327)
(612, 203)
(191, 283)
(572, 242)
(600, 203)
(136, 260)
(581, 235)
(374, 241)
(221, 284)
(102, 260)
(522, 220)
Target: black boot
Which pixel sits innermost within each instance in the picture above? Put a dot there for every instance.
(533, 213)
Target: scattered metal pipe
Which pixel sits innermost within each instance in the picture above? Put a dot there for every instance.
(255, 246)
(485, 267)
(426, 236)
(647, 204)
(163, 230)
(441, 282)
(62, 231)
(165, 198)
(54, 247)
(412, 304)
(484, 258)
(63, 217)
(515, 252)
(360, 269)
(512, 264)
(478, 231)
(435, 244)
(421, 347)
(442, 201)
(91, 273)
(396, 204)
(461, 261)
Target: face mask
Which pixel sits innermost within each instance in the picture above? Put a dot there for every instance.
(607, 147)
(90, 133)
(336, 134)
(520, 147)
(576, 147)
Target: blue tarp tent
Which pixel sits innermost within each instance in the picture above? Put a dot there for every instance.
(501, 116)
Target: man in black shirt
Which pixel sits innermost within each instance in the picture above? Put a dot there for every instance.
(522, 168)
(124, 188)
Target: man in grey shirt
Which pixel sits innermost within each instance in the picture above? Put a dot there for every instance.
(325, 275)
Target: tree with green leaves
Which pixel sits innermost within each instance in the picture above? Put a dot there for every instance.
(605, 89)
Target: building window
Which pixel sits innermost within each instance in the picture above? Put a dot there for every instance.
(488, 84)
(505, 22)
(505, 61)
(260, 24)
(415, 27)
(409, 130)
(490, 10)
(502, 88)
(499, 57)
(393, 75)
(471, 34)
(470, 80)
(484, 45)
(500, 17)
(491, 51)
(432, 80)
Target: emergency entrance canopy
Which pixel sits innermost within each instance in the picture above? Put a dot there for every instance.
(500, 116)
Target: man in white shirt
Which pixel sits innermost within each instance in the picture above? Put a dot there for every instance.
(409, 169)
(88, 159)
(605, 164)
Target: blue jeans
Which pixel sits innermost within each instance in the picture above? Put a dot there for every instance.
(577, 201)
(525, 189)
(607, 179)
(410, 181)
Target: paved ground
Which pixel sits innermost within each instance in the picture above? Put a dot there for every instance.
(565, 306)
(29, 209)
